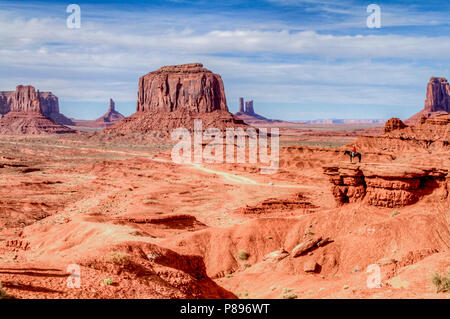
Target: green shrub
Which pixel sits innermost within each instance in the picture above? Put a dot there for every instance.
(288, 294)
(243, 255)
(395, 213)
(108, 281)
(441, 282)
(3, 294)
(119, 258)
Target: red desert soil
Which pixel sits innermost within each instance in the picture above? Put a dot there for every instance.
(140, 226)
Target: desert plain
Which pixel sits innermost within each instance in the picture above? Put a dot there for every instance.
(108, 214)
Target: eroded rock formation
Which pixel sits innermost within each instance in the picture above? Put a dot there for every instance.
(249, 107)
(241, 105)
(49, 103)
(393, 124)
(110, 118)
(437, 100)
(26, 99)
(429, 135)
(187, 86)
(386, 185)
(26, 115)
(438, 95)
(173, 97)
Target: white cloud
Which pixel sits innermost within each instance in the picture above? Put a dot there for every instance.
(103, 60)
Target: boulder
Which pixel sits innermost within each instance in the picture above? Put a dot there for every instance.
(305, 246)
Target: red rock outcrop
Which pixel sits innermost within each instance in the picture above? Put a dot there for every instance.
(249, 107)
(173, 97)
(6, 102)
(393, 124)
(26, 115)
(111, 117)
(49, 104)
(188, 86)
(26, 99)
(249, 116)
(438, 95)
(429, 135)
(386, 185)
(241, 105)
(437, 100)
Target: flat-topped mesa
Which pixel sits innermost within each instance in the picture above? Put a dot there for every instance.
(26, 99)
(189, 86)
(438, 95)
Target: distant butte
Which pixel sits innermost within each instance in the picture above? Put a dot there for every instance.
(437, 100)
(174, 96)
(25, 113)
(111, 117)
(49, 104)
(249, 116)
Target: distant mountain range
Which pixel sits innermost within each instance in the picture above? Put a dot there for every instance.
(343, 121)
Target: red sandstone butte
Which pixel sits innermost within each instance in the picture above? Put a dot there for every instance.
(187, 86)
(175, 96)
(26, 115)
(49, 105)
(437, 100)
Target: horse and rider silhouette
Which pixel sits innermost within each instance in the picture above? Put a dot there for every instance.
(353, 154)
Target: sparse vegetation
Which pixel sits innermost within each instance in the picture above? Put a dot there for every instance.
(441, 282)
(119, 258)
(288, 294)
(3, 294)
(395, 213)
(243, 255)
(108, 281)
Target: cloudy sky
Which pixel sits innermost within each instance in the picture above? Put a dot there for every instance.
(297, 59)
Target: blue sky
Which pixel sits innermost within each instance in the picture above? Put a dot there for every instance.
(297, 59)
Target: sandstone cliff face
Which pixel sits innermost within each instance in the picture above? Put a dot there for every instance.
(6, 102)
(26, 115)
(26, 99)
(386, 185)
(49, 104)
(175, 96)
(437, 100)
(188, 86)
(438, 95)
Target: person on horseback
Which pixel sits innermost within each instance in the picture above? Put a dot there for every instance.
(354, 151)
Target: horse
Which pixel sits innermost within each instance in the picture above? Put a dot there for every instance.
(358, 155)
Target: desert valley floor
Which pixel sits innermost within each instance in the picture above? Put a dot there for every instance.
(140, 226)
